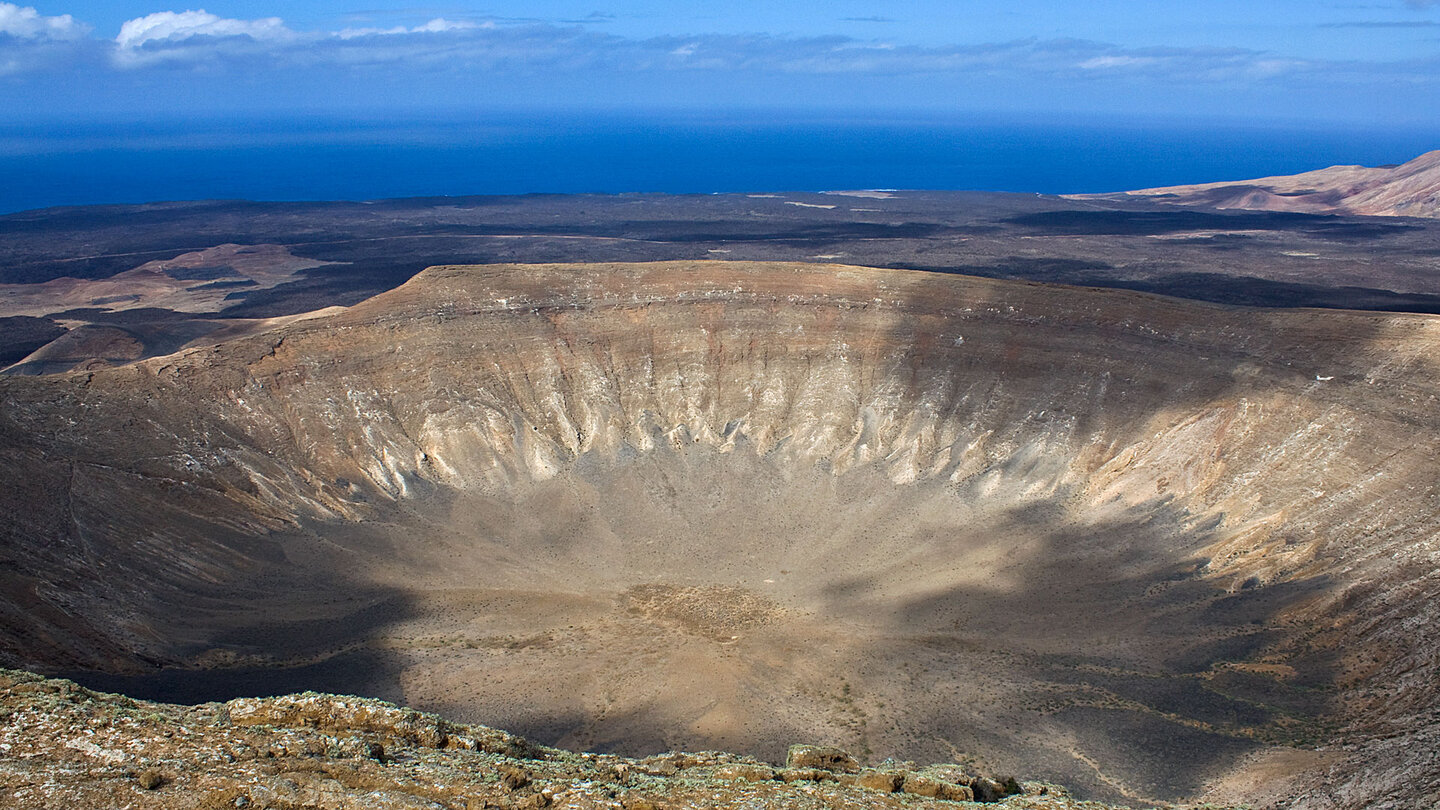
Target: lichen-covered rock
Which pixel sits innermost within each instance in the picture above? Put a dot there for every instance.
(513, 778)
(883, 781)
(991, 790)
(341, 714)
(311, 710)
(62, 746)
(632, 801)
(918, 785)
(749, 773)
(822, 757)
(806, 775)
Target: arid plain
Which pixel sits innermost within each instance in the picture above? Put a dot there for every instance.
(1154, 549)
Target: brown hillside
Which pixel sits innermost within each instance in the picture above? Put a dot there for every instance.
(1408, 190)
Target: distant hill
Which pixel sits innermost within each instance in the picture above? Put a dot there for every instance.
(1409, 190)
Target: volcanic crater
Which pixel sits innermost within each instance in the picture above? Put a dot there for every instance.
(1152, 549)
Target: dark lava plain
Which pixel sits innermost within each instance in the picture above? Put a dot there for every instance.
(1231, 257)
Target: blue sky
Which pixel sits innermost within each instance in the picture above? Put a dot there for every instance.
(1360, 62)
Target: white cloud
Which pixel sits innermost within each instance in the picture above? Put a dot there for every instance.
(1110, 62)
(27, 23)
(173, 26)
(439, 25)
(31, 42)
(193, 36)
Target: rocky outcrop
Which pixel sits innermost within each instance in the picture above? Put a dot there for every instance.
(64, 746)
(821, 758)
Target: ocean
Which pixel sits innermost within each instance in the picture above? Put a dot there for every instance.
(306, 158)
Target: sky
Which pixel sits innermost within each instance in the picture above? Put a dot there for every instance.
(1372, 63)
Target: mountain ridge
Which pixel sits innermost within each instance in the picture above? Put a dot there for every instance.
(1411, 189)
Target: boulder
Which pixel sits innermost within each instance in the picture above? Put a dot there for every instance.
(883, 781)
(821, 757)
(989, 790)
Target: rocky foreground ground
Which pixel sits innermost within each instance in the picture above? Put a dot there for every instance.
(64, 746)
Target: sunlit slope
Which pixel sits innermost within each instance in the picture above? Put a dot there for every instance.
(1411, 189)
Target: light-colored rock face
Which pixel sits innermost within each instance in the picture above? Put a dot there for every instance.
(1103, 538)
(1411, 189)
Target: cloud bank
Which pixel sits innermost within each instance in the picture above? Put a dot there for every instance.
(31, 41)
(196, 36)
(449, 57)
(172, 27)
(27, 23)
(174, 39)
